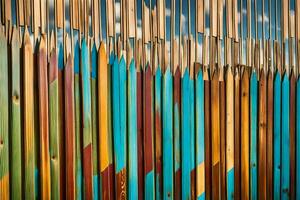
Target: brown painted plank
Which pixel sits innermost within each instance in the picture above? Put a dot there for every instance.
(270, 130)
(262, 162)
(245, 134)
(45, 181)
(215, 135)
(293, 82)
(237, 135)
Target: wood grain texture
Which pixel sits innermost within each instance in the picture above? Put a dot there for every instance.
(270, 130)
(292, 103)
(15, 124)
(132, 133)
(229, 133)
(69, 128)
(75, 14)
(158, 134)
(262, 137)
(200, 16)
(105, 134)
(60, 13)
(86, 119)
(28, 118)
(4, 120)
(96, 21)
(45, 181)
(237, 134)
(110, 17)
(177, 133)
(215, 137)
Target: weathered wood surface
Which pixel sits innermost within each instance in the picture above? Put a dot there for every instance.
(4, 118)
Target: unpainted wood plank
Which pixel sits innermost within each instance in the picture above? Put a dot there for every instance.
(229, 18)
(36, 16)
(285, 19)
(235, 16)
(200, 16)
(161, 19)
(132, 19)
(27, 12)
(110, 17)
(43, 18)
(220, 18)
(213, 17)
(60, 13)
(146, 24)
(20, 6)
(8, 11)
(154, 23)
(95, 21)
(75, 14)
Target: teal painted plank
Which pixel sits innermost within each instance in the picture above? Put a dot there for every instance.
(200, 145)
(168, 176)
(277, 136)
(298, 140)
(77, 94)
(95, 121)
(285, 141)
(132, 134)
(253, 135)
(186, 136)
(123, 105)
(192, 122)
(158, 109)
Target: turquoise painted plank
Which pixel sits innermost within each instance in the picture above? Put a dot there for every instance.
(168, 176)
(95, 121)
(123, 104)
(253, 135)
(186, 136)
(298, 141)
(77, 94)
(277, 136)
(132, 134)
(158, 108)
(200, 145)
(192, 122)
(285, 141)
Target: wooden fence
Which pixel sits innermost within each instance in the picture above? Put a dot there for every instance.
(125, 99)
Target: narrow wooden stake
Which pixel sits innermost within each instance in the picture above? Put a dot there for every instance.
(298, 139)
(16, 137)
(43, 119)
(4, 118)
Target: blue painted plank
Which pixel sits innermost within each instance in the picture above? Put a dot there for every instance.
(168, 176)
(253, 135)
(285, 141)
(277, 136)
(132, 133)
(200, 145)
(186, 136)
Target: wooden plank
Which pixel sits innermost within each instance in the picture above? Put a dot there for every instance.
(70, 143)
(132, 142)
(95, 120)
(45, 181)
(28, 117)
(220, 18)
(200, 138)
(54, 125)
(36, 16)
(8, 11)
(192, 122)
(146, 24)
(213, 17)
(105, 135)
(229, 18)
(96, 21)
(235, 24)
(200, 16)
(27, 12)
(298, 139)
(237, 134)
(285, 19)
(117, 122)
(186, 135)
(110, 18)
(75, 14)
(215, 137)
(154, 23)
(78, 123)
(20, 6)
(158, 136)
(230, 133)
(60, 13)
(16, 138)
(253, 134)
(43, 15)
(161, 19)
(177, 133)
(270, 125)
(168, 175)
(292, 119)
(262, 136)
(285, 141)
(245, 133)
(4, 127)
(277, 136)
(86, 119)
(132, 19)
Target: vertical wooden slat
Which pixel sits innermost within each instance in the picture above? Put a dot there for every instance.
(75, 14)
(168, 179)
(235, 30)
(36, 16)
(28, 118)
(161, 19)
(245, 134)
(132, 142)
(297, 139)
(105, 135)
(213, 17)
(54, 126)
(110, 18)
(158, 133)
(200, 16)
(60, 12)
(132, 19)
(43, 118)
(96, 21)
(21, 17)
(69, 128)
(229, 18)
(15, 124)
(8, 11)
(230, 133)
(4, 125)
(253, 134)
(86, 119)
(285, 19)
(292, 117)
(43, 18)
(262, 136)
